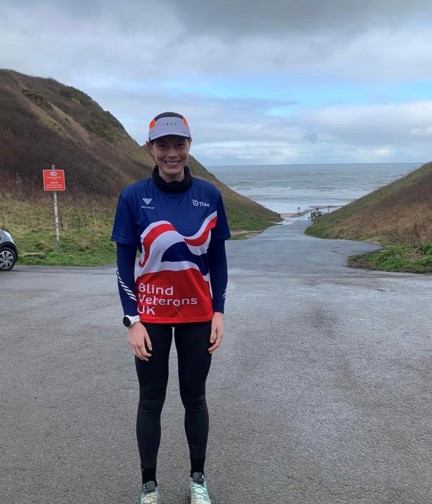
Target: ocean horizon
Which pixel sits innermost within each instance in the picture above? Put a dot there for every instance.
(300, 188)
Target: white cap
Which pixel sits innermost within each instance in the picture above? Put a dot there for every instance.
(168, 123)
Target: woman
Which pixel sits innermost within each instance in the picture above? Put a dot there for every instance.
(179, 225)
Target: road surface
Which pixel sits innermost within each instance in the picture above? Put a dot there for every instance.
(321, 392)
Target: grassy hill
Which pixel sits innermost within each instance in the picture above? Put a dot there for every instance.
(397, 216)
(43, 122)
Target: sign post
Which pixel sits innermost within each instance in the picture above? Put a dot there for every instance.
(54, 180)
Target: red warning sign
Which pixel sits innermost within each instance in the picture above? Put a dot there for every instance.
(54, 180)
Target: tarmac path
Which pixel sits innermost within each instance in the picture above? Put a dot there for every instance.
(320, 393)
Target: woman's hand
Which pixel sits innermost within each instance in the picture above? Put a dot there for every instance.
(139, 341)
(217, 331)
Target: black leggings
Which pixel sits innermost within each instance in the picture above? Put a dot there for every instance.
(192, 343)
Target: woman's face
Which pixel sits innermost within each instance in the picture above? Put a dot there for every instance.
(171, 154)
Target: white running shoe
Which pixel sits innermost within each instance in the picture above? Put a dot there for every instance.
(150, 494)
(198, 491)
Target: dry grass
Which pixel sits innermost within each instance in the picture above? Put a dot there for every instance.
(398, 216)
(44, 122)
(398, 213)
(75, 213)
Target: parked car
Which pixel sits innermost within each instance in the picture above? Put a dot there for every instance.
(8, 251)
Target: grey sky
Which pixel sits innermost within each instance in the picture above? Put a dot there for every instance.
(260, 82)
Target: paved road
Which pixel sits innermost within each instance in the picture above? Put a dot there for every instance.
(320, 393)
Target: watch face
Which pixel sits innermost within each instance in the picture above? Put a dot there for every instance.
(129, 320)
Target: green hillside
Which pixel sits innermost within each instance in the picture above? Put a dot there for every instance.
(397, 216)
(44, 123)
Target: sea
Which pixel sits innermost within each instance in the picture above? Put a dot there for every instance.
(302, 188)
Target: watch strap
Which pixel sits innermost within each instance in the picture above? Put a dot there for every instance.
(129, 320)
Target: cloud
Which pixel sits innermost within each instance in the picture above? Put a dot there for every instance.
(268, 81)
(358, 133)
(239, 18)
(367, 124)
(219, 38)
(308, 16)
(422, 133)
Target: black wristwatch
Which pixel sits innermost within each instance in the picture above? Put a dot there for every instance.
(129, 320)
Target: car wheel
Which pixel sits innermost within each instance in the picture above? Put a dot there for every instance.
(7, 259)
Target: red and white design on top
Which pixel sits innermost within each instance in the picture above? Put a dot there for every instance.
(175, 289)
